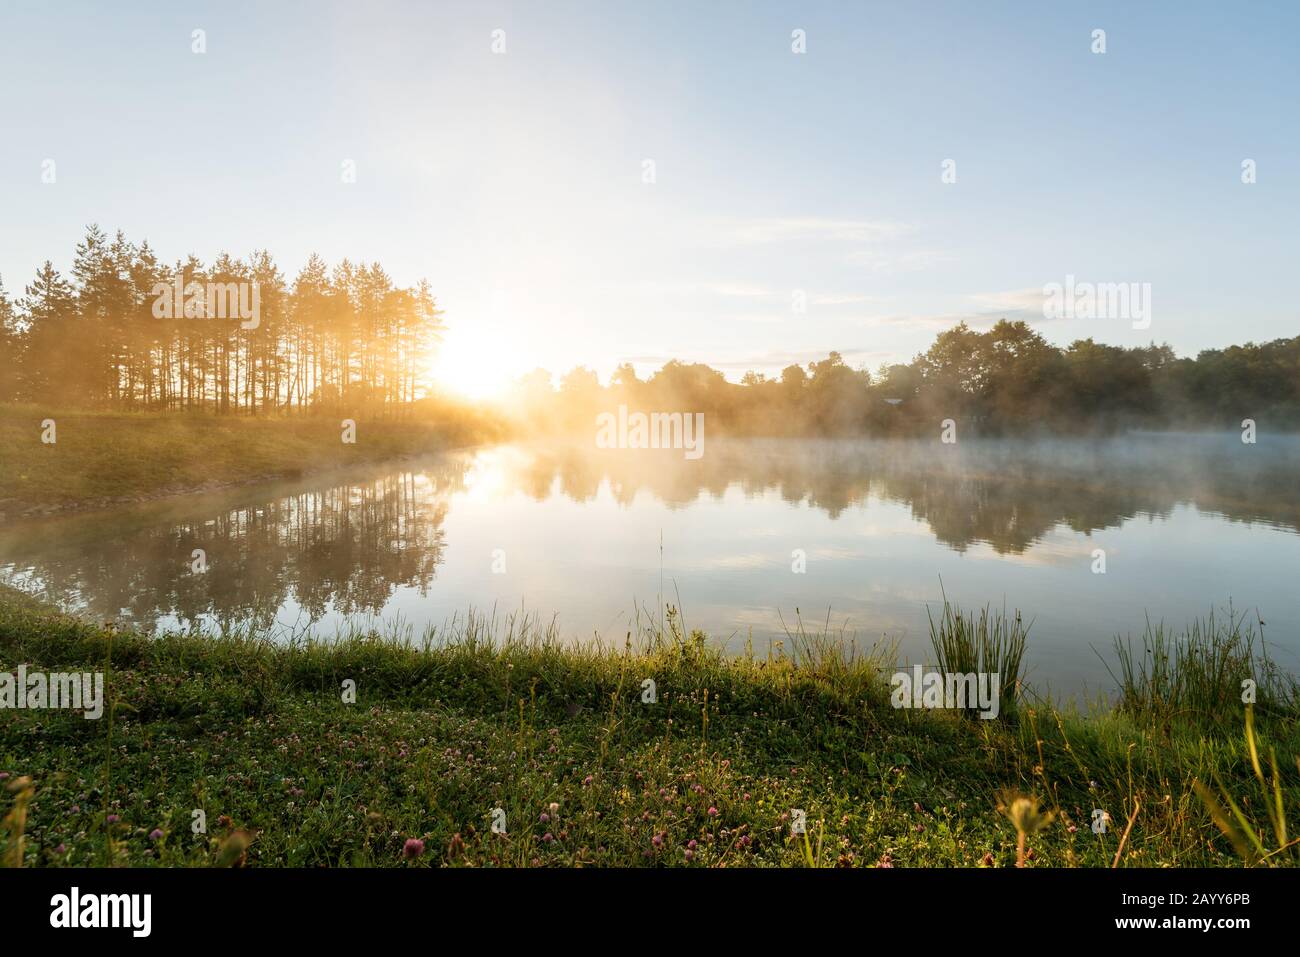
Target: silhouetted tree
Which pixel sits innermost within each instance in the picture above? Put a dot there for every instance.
(107, 338)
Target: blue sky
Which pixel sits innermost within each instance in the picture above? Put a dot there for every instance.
(514, 182)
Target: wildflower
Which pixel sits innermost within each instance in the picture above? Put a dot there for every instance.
(548, 837)
(544, 817)
(1028, 820)
(113, 819)
(713, 812)
(657, 840)
(156, 834)
(413, 848)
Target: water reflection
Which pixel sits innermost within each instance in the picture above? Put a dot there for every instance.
(1004, 493)
(348, 544)
(343, 547)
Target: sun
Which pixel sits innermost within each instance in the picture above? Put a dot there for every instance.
(472, 365)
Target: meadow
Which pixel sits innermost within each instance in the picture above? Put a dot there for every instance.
(388, 750)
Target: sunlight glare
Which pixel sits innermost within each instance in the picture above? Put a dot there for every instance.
(474, 366)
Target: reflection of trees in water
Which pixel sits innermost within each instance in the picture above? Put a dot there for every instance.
(1004, 493)
(345, 547)
(348, 546)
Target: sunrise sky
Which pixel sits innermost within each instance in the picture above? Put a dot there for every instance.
(514, 181)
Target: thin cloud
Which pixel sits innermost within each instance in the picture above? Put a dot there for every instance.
(833, 299)
(814, 229)
(910, 261)
(986, 308)
(1024, 303)
(738, 290)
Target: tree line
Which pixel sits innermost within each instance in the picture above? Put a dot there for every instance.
(111, 334)
(1006, 380)
(107, 334)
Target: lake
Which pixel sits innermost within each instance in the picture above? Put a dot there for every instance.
(756, 534)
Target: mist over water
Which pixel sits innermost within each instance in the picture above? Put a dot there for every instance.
(1187, 522)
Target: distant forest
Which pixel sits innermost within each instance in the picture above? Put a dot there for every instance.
(1008, 380)
(347, 337)
(332, 337)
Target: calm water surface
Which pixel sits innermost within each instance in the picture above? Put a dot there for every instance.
(1187, 523)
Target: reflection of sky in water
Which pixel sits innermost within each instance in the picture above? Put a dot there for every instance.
(581, 535)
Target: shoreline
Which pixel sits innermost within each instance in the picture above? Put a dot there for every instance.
(36, 511)
(342, 753)
(100, 461)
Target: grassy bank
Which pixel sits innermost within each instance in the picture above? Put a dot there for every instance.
(285, 772)
(107, 458)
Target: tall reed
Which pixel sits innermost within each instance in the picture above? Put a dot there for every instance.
(993, 643)
(1206, 671)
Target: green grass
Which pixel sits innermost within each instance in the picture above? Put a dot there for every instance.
(1254, 843)
(1199, 674)
(994, 643)
(105, 458)
(492, 714)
